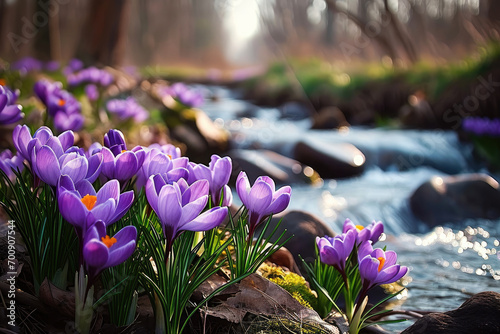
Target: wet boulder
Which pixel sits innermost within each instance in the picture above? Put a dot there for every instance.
(283, 170)
(303, 227)
(478, 314)
(201, 136)
(329, 118)
(330, 160)
(455, 198)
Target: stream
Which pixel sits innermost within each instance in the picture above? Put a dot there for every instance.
(447, 263)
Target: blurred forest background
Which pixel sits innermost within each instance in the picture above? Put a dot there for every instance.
(237, 33)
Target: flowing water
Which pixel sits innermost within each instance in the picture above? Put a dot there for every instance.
(448, 263)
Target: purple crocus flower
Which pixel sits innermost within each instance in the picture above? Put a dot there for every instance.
(482, 126)
(12, 95)
(92, 92)
(48, 166)
(61, 105)
(65, 122)
(371, 232)
(128, 108)
(157, 162)
(27, 64)
(73, 66)
(55, 98)
(261, 200)
(118, 162)
(100, 251)
(93, 149)
(25, 143)
(377, 266)
(217, 174)
(335, 251)
(9, 111)
(179, 206)
(90, 75)
(10, 163)
(82, 206)
(172, 151)
(52, 65)
(43, 88)
(115, 141)
(191, 98)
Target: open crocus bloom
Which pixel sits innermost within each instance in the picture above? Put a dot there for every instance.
(378, 267)
(82, 206)
(9, 111)
(158, 162)
(179, 207)
(217, 174)
(49, 167)
(335, 251)
(261, 199)
(24, 142)
(10, 163)
(100, 251)
(371, 232)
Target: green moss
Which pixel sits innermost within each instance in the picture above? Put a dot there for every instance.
(296, 285)
(280, 325)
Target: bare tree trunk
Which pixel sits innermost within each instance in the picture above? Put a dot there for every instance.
(103, 33)
(329, 33)
(42, 41)
(55, 36)
(401, 34)
(380, 38)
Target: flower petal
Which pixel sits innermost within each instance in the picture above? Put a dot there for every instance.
(260, 197)
(76, 169)
(72, 209)
(110, 189)
(125, 202)
(169, 207)
(207, 220)
(47, 166)
(95, 254)
(242, 187)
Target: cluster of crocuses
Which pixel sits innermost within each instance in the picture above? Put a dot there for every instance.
(353, 256)
(93, 78)
(61, 105)
(482, 126)
(177, 189)
(55, 161)
(127, 109)
(189, 97)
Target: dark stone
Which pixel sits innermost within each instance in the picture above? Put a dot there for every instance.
(201, 136)
(480, 314)
(255, 163)
(330, 160)
(303, 227)
(294, 111)
(329, 118)
(455, 198)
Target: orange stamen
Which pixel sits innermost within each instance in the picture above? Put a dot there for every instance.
(360, 227)
(124, 151)
(61, 102)
(89, 201)
(381, 264)
(108, 241)
(2, 82)
(168, 155)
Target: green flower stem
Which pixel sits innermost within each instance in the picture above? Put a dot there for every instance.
(84, 296)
